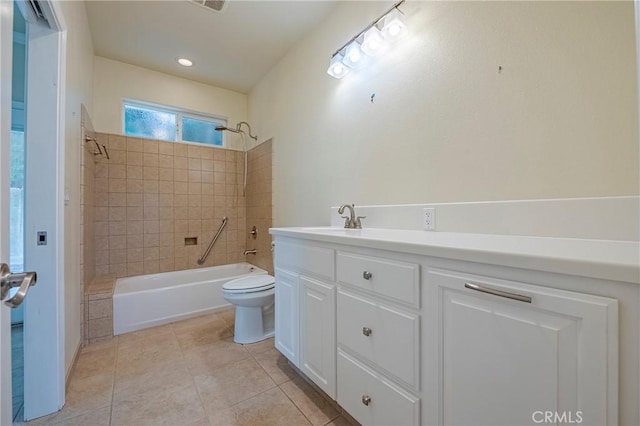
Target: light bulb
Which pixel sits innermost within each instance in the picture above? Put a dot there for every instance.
(393, 25)
(373, 43)
(336, 68)
(353, 55)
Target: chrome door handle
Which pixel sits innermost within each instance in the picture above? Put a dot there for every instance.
(366, 331)
(367, 275)
(24, 280)
(366, 400)
(500, 293)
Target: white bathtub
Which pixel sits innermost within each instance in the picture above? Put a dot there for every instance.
(148, 300)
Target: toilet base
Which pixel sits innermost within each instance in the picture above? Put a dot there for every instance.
(253, 324)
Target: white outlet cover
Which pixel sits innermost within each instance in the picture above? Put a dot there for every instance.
(429, 219)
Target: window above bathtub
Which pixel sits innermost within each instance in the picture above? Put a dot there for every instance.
(147, 120)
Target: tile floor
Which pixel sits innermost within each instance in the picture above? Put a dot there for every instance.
(188, 373)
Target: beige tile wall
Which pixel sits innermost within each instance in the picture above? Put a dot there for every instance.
(259, 204)
(150, 195)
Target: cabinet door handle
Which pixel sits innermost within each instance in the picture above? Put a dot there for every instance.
(367, 275)
(366, 331)
(493, 291)
(366, 400)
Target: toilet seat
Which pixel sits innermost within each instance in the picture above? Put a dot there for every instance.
(250, 284)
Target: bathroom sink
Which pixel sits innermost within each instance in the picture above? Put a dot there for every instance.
(328, 230)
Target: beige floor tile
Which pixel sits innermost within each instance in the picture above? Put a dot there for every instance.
(256, 348)
(228, 315)
(313, 405)
(148, 335)
(276, 365)
(210, 321)
(97, 361)
(342, 421)
(269, 408)
(195, 334)
(83, 396)
(207, 359)
(147, 355)
(104, 344)
(163, 376)
(231, 385)
(99, 417)
(176, 406)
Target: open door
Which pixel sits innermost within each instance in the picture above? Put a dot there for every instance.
(44, 370)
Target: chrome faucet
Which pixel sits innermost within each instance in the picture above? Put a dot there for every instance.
(352, 221)
(252, 251)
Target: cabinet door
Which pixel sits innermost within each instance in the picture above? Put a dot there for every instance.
(286, 317)
(318, 333)
(504, 361)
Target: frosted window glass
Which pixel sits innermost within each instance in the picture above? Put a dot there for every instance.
(194, 130)
(148, 123)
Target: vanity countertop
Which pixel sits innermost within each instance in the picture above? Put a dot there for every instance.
(604, 259)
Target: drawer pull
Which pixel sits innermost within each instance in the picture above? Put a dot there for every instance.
(367, 275)
(514, 296)
(366, 331)
(366, 400)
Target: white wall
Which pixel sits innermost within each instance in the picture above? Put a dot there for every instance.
(560, 120)
(114, 81)
(78, 91)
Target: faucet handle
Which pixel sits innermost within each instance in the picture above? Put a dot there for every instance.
(347, 221)
(358, 224)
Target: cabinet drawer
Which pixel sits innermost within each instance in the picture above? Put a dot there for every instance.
(390, 278)
(307, 259)
(387, 403)
(381, 334)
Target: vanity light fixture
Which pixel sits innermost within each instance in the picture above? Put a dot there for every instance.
(353, 55)
(372, 40)
(185, 62)
(336, 68)
(394, 27)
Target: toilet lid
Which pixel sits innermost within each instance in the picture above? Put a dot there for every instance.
(250, 283)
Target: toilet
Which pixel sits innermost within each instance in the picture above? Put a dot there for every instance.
(253, 298)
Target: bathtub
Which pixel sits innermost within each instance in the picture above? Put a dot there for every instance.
(149, 300)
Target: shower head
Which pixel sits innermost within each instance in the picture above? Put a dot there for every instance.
(223, 128)
(237, 129)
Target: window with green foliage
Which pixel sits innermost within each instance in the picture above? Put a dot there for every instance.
(171, 124)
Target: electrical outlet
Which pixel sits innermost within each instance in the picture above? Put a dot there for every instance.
(429, 219)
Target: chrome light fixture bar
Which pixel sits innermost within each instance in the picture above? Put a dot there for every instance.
(370, 41)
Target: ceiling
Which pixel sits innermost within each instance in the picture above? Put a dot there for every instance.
(232, 49)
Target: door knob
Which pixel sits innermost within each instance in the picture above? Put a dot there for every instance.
(366, 331)
(366, 400)
(24, 280)
(367, 275)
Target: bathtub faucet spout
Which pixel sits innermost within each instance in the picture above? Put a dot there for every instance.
(252, 251)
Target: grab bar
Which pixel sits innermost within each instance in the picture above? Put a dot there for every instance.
(213, 241)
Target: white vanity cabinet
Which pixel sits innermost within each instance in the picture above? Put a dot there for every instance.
(378, 339)
(509, 352)
(306, 310)
(405, 338)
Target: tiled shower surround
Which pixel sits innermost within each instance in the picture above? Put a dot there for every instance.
(152, 195)
(139, 206)
(260, 204)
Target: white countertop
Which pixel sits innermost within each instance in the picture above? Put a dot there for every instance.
(604, 259)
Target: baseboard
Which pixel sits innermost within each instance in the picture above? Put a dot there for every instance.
(76, 355)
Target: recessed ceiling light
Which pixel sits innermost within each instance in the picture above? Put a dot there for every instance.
(185, 62)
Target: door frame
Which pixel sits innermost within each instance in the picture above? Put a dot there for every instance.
(6, 60)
